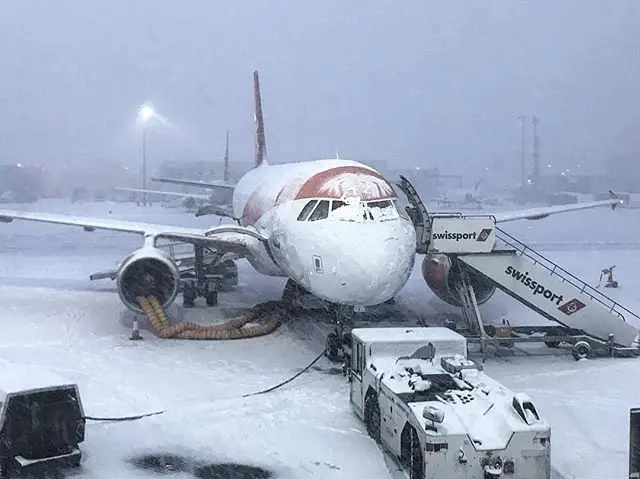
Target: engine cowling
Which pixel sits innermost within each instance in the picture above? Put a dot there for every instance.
(148, 272)
(436, 271)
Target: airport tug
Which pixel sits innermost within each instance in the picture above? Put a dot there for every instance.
(437, 412)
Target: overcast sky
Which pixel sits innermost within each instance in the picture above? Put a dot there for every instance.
(417, 82)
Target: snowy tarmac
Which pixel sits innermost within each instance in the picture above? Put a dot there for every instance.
(59, 327)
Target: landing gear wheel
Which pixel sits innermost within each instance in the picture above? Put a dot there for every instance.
(211, 297)
(581, 350)
(372, 417)
(332, 348)
(416, 467)
(189, 294)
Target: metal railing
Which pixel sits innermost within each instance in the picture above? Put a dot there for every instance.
(566, 277)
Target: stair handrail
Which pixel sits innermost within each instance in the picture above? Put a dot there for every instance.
(593, 293)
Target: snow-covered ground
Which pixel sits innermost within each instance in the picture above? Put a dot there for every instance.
(59, 327)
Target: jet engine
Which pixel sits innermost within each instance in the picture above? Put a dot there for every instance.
(438, 274)
(148, 272)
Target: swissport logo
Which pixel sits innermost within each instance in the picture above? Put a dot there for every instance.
(535, 287)
(447, 235)
(572, 306)
(484, 234)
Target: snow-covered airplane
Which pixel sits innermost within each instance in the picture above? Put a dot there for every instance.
(333, 227)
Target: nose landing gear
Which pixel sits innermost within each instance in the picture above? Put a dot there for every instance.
(338, 348)
(338, 342)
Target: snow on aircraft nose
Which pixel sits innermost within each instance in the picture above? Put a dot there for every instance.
(363, 264)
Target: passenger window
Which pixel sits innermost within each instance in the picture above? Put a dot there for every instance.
(304, 214)
(321, 212)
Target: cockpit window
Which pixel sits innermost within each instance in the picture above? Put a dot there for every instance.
(378, 210)
(321, 212)
(379, 204)
(335, 204)
(306, 211)
(382, 210)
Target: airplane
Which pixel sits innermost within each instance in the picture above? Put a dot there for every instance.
(462, 196)
(223, 185)
(218, 202)
(333, 227)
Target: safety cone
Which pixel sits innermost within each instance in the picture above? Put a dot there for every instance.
(135, 332)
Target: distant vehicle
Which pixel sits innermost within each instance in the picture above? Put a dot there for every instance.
(438, 413)
(8, 197)
(462, 197)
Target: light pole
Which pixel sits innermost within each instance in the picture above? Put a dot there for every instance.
(145, 113)
(523, 168)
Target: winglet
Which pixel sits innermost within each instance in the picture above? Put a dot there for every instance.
(261, 143)
(614, 197)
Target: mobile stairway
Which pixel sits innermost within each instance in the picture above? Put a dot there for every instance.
(585, 317)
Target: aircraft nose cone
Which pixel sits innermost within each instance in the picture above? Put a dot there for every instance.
(372, 267)
(386, 269)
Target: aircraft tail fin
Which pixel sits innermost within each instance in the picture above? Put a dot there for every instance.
(260, 141)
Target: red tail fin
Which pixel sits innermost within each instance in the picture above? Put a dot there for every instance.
(261, 143)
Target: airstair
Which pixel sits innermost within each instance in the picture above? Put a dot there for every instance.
(556, 294)
(584, 316)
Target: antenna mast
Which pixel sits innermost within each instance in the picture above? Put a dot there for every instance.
(536, 149)
(226, 159)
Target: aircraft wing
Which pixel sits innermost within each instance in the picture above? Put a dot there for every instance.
(225, 238)
(166, 193)
(543, 212)
(199, 184)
